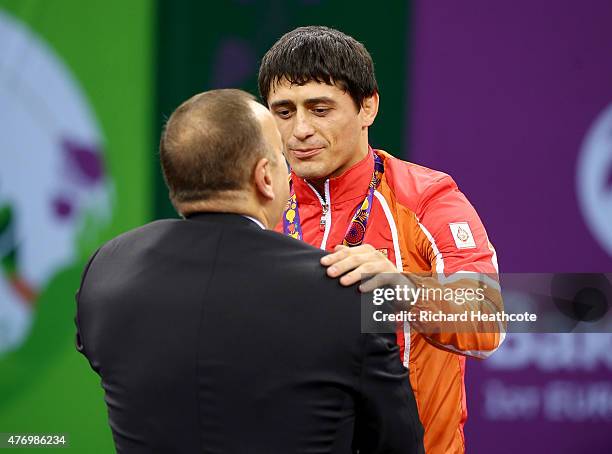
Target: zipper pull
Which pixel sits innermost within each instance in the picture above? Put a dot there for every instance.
(323, 217)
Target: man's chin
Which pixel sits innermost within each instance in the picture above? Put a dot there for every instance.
(309, 171)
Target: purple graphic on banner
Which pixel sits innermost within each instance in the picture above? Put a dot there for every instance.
(511, 100)
(86, 162)
(502, 98)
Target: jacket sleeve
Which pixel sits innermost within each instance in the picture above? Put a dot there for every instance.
(387, 418)
(463, 259)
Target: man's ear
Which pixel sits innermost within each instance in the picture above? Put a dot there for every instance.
(369, 109)
(263, 178)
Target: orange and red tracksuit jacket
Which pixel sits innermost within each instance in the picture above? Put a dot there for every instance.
(424, 224)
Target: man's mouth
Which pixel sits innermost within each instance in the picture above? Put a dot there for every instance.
(304, 153)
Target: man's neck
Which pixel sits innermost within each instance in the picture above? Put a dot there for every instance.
(235, 206)
(319, 185)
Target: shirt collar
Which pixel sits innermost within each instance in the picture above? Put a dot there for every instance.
(256, 221)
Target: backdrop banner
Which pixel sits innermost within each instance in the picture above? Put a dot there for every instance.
(514, 101)
(75, 101)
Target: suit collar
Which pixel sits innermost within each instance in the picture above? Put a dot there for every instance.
(224, 219)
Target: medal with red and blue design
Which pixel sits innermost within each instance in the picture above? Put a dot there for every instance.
(356, 231)
(291, 216)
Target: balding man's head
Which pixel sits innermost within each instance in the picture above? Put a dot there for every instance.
(210, 144)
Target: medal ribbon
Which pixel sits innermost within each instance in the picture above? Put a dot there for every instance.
(356, 230)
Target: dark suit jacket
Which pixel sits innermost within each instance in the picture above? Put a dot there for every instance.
(213, 335)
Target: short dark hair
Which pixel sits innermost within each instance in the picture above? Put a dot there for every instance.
(320, 54)
(210, 144)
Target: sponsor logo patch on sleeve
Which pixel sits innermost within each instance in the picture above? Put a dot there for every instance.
(462, 235)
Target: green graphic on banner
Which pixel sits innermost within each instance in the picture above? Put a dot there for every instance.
(76, 90)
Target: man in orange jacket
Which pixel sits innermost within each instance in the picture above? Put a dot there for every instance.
(377, 213)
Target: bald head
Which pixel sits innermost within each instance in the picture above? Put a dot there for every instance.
(211, 143)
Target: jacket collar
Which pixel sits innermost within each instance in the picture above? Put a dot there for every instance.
(225, 219)
(352, 184)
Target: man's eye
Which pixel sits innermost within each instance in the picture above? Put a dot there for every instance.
(320, 110)
(283, 113)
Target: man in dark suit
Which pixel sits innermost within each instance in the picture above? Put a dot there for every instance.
(212, 334)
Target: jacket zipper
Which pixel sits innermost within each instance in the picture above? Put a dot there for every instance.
(325, 221)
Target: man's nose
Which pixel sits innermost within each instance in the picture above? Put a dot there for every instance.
(302, 128)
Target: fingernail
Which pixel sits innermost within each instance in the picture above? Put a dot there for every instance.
(333, 269)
